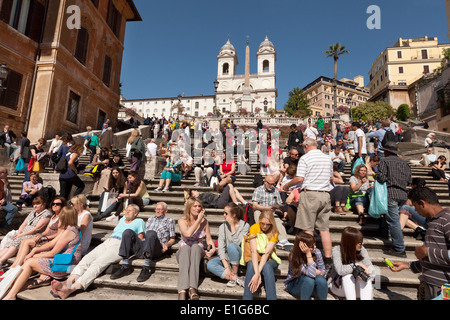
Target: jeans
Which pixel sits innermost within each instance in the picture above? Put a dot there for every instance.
(149, 248)
(215, 265)
(10, 211)
(304, 287)
(108, 210)
(391, 221)
(65, 186)
(269, 280)
(8, 148)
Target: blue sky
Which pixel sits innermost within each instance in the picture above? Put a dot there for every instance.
(174, 49)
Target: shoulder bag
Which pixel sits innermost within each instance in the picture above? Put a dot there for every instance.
(62, 262)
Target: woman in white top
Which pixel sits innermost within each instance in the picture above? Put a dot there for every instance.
(85, 220)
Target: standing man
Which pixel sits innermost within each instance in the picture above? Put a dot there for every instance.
(397, 175)
(433, 255)
(295, 140)
(320, 124)
(379, 135)
(159, 237)
(359, 143)
(314, 171)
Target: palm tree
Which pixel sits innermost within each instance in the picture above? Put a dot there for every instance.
(335, 51)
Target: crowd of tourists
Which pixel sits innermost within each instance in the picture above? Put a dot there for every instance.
(298, 187)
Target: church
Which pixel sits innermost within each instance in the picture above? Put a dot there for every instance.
(253, 93)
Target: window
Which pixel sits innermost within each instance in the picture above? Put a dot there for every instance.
(327, 106)
(95, 2)
(399, 55)
(225, 68)
(72, 107)
(82, 45)
(426, 69)
(196, 105)
(402, 82)
(114, 19)
(107, 71)
(26, 16)
(400, 69)
(424, 54)
(266, 66)
(10, 96)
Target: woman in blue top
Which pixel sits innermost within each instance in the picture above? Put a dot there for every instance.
(70, 177)
(172, 172)
(306, 274)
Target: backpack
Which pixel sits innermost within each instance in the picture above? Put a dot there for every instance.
(204, 182)
(92, 171)
(61, 166)
(249, 214)
(388, 136)
(258, 180)
(49, 193)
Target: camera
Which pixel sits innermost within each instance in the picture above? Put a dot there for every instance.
(358, 271)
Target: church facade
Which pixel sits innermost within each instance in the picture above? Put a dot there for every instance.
(230, 89)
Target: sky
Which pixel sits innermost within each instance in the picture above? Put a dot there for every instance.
(174, 49)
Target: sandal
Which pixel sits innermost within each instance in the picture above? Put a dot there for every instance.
(54, 295)
(193, 295)
(182, 295)
(37, 284)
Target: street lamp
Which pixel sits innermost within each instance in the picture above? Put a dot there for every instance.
(349, 101)
(4, 72)
(216, 85)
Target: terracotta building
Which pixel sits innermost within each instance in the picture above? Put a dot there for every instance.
(64, 59)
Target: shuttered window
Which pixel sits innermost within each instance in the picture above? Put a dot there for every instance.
(26, 16)
(107, 71)
(72, 107)
(114, 19)
(10, 96)
(82, 45)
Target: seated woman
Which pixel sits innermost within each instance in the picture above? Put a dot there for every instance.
(134, 191)
(39, 258)
(339, 193)
(226, 172)
(213, 200)
(266, 261)
(172, 172)
(371, 167)
(438, 169)
(102, 159)
(40, 239)
(116, 184)
(359, 191)
(35, 222)
(231, 232)
(194, 229)
(306, 274)
(346, 256)
(29, 190)
(410, 218)
(205, 169)
(85, 221)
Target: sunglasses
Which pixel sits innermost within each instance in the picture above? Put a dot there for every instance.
(58, 204)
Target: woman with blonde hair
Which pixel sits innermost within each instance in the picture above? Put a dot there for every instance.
(194, 228)
(85, 220)
(39, 258)
(264, 260)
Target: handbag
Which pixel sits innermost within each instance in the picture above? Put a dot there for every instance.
(108, 200)
(62, 262)
(20, 165)
(213, 180)
(358, 162)
(30, 164)
(36, 167)
(378, 200)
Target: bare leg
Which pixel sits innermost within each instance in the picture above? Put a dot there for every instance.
(24, 250)
(9, 253)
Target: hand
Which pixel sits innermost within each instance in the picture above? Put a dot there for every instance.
(305, 249)
(399, 266)
(254, 283)
(366, 269)
(285, 187)
(201, 215)
(421, 252)
(364, 180)
(164, 248)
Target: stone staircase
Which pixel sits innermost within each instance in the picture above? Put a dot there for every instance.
(162, 285)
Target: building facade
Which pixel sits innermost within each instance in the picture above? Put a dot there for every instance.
(396, 70)
(65, 61)
(229, 89)
(350, 94)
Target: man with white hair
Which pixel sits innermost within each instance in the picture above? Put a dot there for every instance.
(314, 171)
(159, 237)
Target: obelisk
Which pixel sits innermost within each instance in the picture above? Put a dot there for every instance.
(247, 100)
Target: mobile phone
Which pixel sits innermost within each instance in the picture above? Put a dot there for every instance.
(388, 262)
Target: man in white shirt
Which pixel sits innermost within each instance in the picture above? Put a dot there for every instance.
(359, 143)
(338, 158)
(314, 171)
(311, 133)
(152, 147)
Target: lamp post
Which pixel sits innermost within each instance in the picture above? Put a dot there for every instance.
(216, 85)
(4, 72)
(349, 101)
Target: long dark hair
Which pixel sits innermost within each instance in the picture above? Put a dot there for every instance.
(132, 187)
(118, 183)
(349, 239)
(297, 258)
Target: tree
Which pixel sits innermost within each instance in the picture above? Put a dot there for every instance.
(373, 111)
(403, 112)
(297, 104)
(335, 51)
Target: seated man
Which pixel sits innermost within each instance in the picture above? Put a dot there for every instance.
(96, 261)
(426, 159)
(159, 237)
(6, 205)
(338, 158)
(267, 197)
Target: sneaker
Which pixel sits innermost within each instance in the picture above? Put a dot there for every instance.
(197, 184)
(240, 281)
(144, 275)
(112, 218)
(231, 283)
(165, 189)
(392, 252)
(158, 189)
(284, 245)
(122, 272)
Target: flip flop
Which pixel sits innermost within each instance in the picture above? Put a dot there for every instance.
(37, 284)
(54, 295)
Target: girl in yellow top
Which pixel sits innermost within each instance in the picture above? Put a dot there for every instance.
(262, 264)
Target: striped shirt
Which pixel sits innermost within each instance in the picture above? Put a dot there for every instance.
(163, 226)
(316, 168)
(266, 198)
(308, 269)
(397, 175)
(436, 267)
